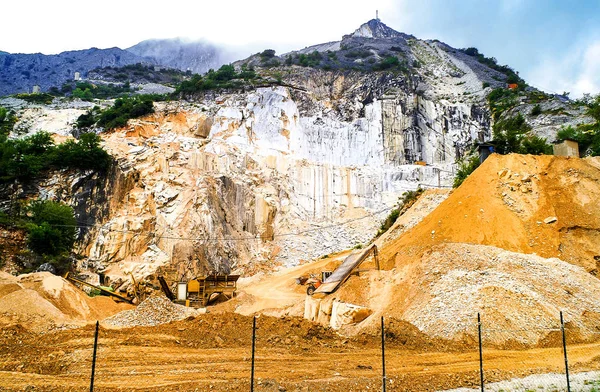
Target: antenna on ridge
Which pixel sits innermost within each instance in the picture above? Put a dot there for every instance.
(377, 14)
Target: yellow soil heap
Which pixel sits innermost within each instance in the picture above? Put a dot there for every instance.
(506, 202)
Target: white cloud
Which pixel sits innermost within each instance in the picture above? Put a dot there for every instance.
(69, 24)
(577, 71)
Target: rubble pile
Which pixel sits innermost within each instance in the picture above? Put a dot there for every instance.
(152, 311)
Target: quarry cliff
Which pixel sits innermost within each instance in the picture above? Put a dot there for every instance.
(250, 179)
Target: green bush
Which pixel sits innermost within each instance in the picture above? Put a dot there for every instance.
(388, 63)
(536, 110)
(310, 60)
(511, 75)
(51, 228)
(86, 153)
(7, 121)
(587, 136)
(501, 100)
(389, 221)
(406, 201)
(24, 159)
(224, 78)
(42, 98)
(267, 54)
(465, 168)
(123, 110)
(535, 145)
(88, 119)
(361, 53)
(85, 95)
(511, 135)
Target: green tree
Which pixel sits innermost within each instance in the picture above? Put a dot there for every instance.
(509, 133)
(267, 54)
(535, 145)
(86, 153)
(52, 227)
(85, 94)
(226, 72)
(124, 109)
(25, 158)
(594, 108)
(536, 110)
(465, 168)
(512, 135)
(7, 121)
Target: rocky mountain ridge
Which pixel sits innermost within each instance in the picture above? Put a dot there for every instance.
(20, 72)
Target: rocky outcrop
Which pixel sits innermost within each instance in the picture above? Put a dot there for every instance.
(266, 177)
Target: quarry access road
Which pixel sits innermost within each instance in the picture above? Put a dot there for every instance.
(186, 356)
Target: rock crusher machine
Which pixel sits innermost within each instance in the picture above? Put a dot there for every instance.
(200, 291)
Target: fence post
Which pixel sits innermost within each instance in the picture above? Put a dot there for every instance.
(564, 341)
(480, 351)
(253, 348)
(383, 353)
(94, 357)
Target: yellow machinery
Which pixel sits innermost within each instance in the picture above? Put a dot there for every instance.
(200, 291)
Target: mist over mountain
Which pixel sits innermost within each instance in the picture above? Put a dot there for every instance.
(20, 72)
(195, 56)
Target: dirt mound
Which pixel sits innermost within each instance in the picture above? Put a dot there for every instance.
(506, 203)
(425, 204)
(153, 311)
(42, 301)
(519, 296)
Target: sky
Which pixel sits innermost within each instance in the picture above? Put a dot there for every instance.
(553, 44)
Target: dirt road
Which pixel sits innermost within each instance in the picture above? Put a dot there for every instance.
(212, 353)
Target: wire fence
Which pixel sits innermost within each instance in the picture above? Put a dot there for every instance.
(395, 356)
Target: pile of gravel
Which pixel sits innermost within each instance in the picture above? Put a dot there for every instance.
(153, 311)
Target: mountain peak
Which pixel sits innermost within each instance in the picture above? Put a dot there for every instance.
(375, 28)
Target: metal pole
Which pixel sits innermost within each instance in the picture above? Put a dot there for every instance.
(564, 340)
(383, 352)
(94, 357)
(480, 352)
(253, 348)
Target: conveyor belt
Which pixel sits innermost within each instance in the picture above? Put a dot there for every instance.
(341, 274)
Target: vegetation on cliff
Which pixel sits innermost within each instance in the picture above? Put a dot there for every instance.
(491, 62)
(225, 77)
(512, 135)
(50, 228)
(466, 167)
(24, 159)
(406, 201)
(117, 115)
(587, 135)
